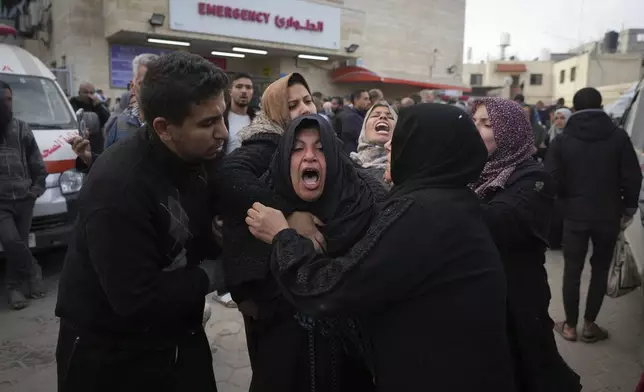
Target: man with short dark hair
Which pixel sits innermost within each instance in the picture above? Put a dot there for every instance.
(599, 180)
(22, 181)
(349, 123)
(131, 295)
(239, 114)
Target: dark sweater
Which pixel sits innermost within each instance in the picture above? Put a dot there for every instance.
(144, 224)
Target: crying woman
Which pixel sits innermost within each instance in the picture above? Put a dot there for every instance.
(310, 171)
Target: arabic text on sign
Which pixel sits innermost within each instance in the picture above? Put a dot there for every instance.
(292, 23)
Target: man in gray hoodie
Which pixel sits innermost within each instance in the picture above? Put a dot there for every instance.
(22, 181)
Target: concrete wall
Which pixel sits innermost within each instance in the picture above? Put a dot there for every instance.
(614, 69)
(629, 43)
(567, 89)
(596, 70)
(532, 93)
(404, 39)
(78, 40)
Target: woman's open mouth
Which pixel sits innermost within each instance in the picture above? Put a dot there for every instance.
(382, 128)
(311, 178)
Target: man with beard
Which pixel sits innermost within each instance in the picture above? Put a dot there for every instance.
(132, 291)
(239, 114)
(22, 181)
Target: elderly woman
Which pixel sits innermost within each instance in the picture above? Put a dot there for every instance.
(517, 197)
(377, 128)
(425, 281)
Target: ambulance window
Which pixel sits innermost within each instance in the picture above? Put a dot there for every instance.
(39, 102)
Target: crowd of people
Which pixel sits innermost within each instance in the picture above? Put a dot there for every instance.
(368, 246)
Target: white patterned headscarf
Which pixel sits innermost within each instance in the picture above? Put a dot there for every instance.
(371, 154)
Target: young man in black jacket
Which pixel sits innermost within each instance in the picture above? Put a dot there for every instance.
(599, 180)
(131, 295)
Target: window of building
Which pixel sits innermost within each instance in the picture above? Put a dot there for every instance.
(536, 79)
(573, 74)
(640, 37)
(476, 80)
(562, 76)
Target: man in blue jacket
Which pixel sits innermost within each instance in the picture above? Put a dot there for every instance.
(350, 120)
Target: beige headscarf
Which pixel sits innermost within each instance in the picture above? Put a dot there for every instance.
(275, 99)
(371, 154)
(275, 116)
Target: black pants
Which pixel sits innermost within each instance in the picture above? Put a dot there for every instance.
(15, 222)
(90, 363)
(575, 246)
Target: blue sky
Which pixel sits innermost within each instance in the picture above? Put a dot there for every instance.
(553, 24)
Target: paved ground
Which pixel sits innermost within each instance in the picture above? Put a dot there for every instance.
(28, 342)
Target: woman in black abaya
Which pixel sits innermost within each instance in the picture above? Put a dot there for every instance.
(426, 281)
(292, 351)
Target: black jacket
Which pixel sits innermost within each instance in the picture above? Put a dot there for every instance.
(22, 170)
(518, 216)
(596, 168)
(144, 224)
(100, 109)
(349, 122)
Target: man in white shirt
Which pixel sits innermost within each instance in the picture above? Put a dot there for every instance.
(238, 114)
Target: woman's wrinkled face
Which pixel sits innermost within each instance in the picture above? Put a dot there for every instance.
(560, 120)
(388, 169)
(300, 102)
(483, 124)
(308, 165)
(380, 125)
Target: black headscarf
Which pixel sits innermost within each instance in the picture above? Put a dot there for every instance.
(435, 146)
(346, 205)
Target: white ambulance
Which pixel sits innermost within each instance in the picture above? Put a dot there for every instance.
(39, 101)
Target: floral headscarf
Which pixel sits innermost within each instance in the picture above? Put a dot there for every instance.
(514, 143)
(371, 154)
